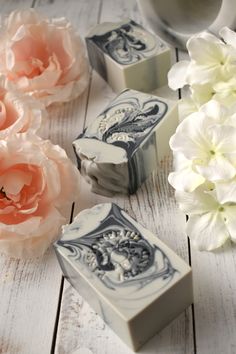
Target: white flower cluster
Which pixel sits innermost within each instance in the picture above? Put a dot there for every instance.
(204, 144)
(210, 72)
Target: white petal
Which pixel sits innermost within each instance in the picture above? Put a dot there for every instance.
(186, 107)
(198, 202)
(225, 92)
(202, 93)
(228, 36)
(215, 110)
(223, 137)
(226, 191)
(206, 36)
(207, 231)
(230, 220)
(177, 75)
(191, 137)
(184, 178)
(218, 169)
(205, 49)
(203, 74)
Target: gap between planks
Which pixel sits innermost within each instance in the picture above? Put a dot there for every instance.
(189, 247)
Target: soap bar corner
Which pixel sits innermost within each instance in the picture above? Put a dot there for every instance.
(128, 56)
(125, 273)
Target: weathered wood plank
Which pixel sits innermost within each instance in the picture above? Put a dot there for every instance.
(154, 206)
(29, 290)
(66, 120)
(28, 304)
(214, 296)
(7, 6)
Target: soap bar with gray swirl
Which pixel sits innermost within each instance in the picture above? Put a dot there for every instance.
(131, 279)
(125, 143)
(128, 56)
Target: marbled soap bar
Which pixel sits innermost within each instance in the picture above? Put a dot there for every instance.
(124, 144)
(130, 278)
(128, 56)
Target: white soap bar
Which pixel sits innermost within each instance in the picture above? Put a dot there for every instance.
(125, 143)
(128, 56)
(131, 279)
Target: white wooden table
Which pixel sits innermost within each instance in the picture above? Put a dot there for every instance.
(40, 313)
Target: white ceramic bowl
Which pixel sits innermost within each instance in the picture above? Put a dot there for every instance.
(177, 20)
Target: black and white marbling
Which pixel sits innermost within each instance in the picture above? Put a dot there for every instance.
(119, 149)
(128, 56)
(125, 42)
(116, 252)
(123, 271)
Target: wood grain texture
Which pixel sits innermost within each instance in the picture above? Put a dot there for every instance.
(214, 295)
(10, 5)
(154, 206)
(29, 291)
(65, 121)
(28, 304)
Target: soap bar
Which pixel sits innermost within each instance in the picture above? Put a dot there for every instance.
(128, 56)
(128, 276)
(125, 143)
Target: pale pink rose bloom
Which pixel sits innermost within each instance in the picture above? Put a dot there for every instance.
(19, 113)
(44, 58)
(38, 183)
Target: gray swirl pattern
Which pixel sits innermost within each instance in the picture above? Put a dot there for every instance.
(126, 44)
(119, 255)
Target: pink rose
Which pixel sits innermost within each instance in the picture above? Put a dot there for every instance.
(37, 185)
(18, 113)
(41, 57)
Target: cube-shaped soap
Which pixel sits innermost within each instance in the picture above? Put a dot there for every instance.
(128, 56)
(123, 145)
(129, 277)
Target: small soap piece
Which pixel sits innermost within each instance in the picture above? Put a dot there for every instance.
(131, 279)
(128, 56)
(124, 144)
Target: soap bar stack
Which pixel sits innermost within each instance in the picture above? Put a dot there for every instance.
(124, 144)
(130, 278)
(128, 56)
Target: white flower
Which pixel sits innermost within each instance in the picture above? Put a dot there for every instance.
(228, 36)
(204, 145)
(185, 178)
(219, 114)
(177, 76)
(201, 94)
(210, 72)
(226, 191)
(209, 145)
(210, 222)
(225, 91)
(186, 106)
(211, 60)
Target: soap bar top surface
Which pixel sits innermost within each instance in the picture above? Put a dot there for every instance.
(128, 120)
(122, 260)
(125, 42)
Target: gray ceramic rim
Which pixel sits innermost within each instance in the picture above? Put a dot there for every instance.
(176, 21)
